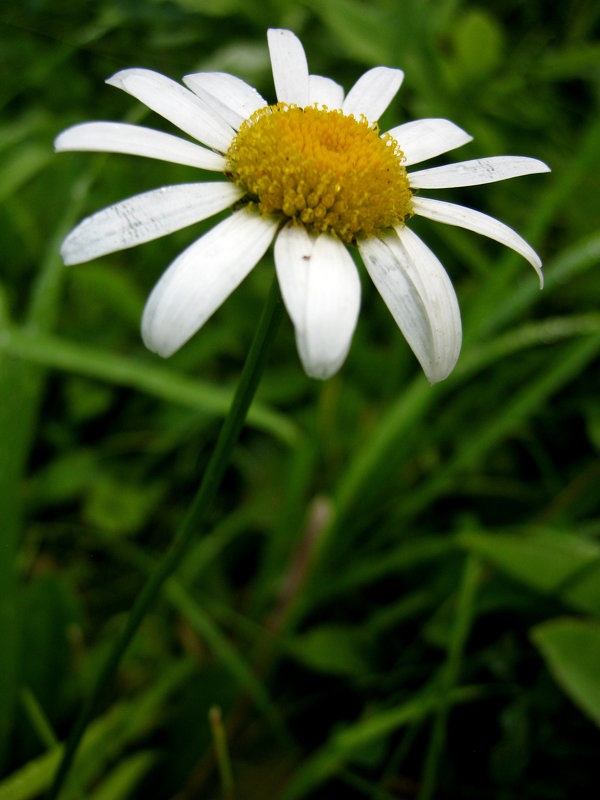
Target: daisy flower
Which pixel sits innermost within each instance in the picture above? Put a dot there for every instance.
(312, 173)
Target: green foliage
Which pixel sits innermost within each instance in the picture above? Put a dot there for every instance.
(478, 44)
(331, 649)
(397, 594)
(571, 648)
(553, 562)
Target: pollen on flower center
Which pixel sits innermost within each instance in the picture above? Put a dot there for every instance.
(330, 171)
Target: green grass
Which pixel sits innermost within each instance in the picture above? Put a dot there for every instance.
(396, 595)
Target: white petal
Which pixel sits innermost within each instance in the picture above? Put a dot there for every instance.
(453, 214)
(373, 92)
(321, 291)
(420, 296)
(119, 137)
(472, 173)
(293, 252)
(177, 104)
(324, 92)
(201, 278)
(231, 97)
(144, 217)
(426, 138)
(290, 69)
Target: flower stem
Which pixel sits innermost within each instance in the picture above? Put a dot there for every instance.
(190, 526)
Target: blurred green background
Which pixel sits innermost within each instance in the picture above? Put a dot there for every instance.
(399, 595)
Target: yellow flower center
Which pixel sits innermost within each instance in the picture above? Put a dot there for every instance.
(329, 171)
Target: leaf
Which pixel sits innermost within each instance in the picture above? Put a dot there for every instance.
(105, 739)
(157, 380)
(543, 559)
(548, 561)
(212, 8)
(224, 651)
(121, 782)
(120, 506)
(569, 62)
(332, 649)
(592, 419)
(23, 165)
(48, 610)
(63, 479)
(87, 399)
(571, 649)
(478, 43)
(346, 743)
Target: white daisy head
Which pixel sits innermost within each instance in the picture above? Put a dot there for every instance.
(312, 172)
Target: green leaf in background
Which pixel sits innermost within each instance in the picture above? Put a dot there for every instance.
(64, 479)
(49, 609)
(87, 399)
(350, 740)
(571, 649)
(592, 419)
(120, 506)
(332, 649)
(49, 616)
(23, 165)
(156, 379)
(122, 781)
(548, 561)
(107, 738)
(478, 43)
(217, 8)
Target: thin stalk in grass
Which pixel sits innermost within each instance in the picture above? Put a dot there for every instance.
(189, 527)
(38, 719)
(222, 751)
